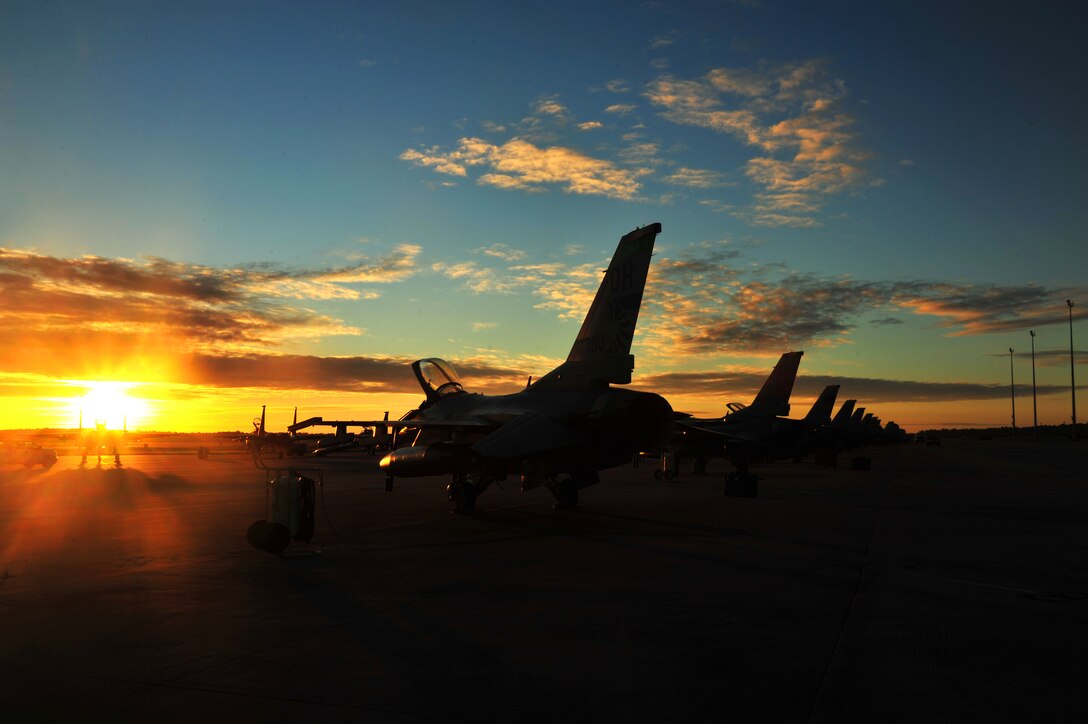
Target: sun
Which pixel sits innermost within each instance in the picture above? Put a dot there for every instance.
(110, 403)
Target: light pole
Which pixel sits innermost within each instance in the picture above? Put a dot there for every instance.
(1034, 406)
(1012, 392)
(1072, 364)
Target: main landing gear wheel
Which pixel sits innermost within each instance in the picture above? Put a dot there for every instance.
(462, 494)
(566, 495)
(267, 536)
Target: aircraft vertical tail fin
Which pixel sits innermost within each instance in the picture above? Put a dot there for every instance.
(602, 350)
(774, 397)
(820, 414)
(260, 430)
(842, 417)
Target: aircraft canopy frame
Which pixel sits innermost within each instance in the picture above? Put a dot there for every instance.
(437, 377)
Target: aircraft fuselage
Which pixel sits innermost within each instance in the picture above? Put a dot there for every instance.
(558, 431)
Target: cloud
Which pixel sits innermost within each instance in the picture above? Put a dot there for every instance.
(442, 163)
(481, 326)
(93, 315)
(550, 107)
(695, 178)
(621, 109)
(1055, 357)
(590, 126)
(502, 251)
(641, 154)
(357, 374)
(396, 266)
(704, 302)
(518, 164)
(971, 309)
(741, 384)
(790, 116)
(481, 280)
(161, 321)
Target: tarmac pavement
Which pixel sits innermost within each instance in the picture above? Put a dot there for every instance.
(946, 584)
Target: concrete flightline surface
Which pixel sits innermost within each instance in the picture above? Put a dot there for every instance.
(946, 584)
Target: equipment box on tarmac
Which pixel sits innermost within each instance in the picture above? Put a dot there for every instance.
(741, 485)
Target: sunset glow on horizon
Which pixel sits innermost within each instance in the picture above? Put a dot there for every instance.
(203, 212)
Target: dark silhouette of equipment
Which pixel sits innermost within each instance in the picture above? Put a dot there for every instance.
(290, 509)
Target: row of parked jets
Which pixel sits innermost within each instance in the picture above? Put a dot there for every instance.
(562, 429)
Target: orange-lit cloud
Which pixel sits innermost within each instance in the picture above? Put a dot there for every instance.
(789, 113)
(707, 301)
(96, 318)
(159, 321)
(696, 178)
(970, 309)
(502, 251)
(519, 164)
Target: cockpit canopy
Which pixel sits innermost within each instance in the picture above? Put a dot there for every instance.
(437, 378)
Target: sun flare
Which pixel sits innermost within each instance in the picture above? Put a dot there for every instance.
(110, 404)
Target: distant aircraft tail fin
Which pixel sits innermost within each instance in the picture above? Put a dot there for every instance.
(842, 417)
(602, 350)
(820, 414)
(774, 397)
(383, 433)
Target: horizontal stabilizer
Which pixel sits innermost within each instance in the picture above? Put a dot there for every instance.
(525, 435)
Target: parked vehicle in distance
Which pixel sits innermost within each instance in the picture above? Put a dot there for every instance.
(27, 454)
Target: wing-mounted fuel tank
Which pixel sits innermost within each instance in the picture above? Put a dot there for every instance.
(435, 459)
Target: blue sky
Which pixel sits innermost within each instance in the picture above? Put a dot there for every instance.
(896, 188)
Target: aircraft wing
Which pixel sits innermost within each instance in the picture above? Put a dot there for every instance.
(465, 424)
(527, 434)
(710, 435)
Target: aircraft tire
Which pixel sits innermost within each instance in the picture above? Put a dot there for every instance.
(256, 532)
(566, 495)
(463, 496)
(271, 537)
